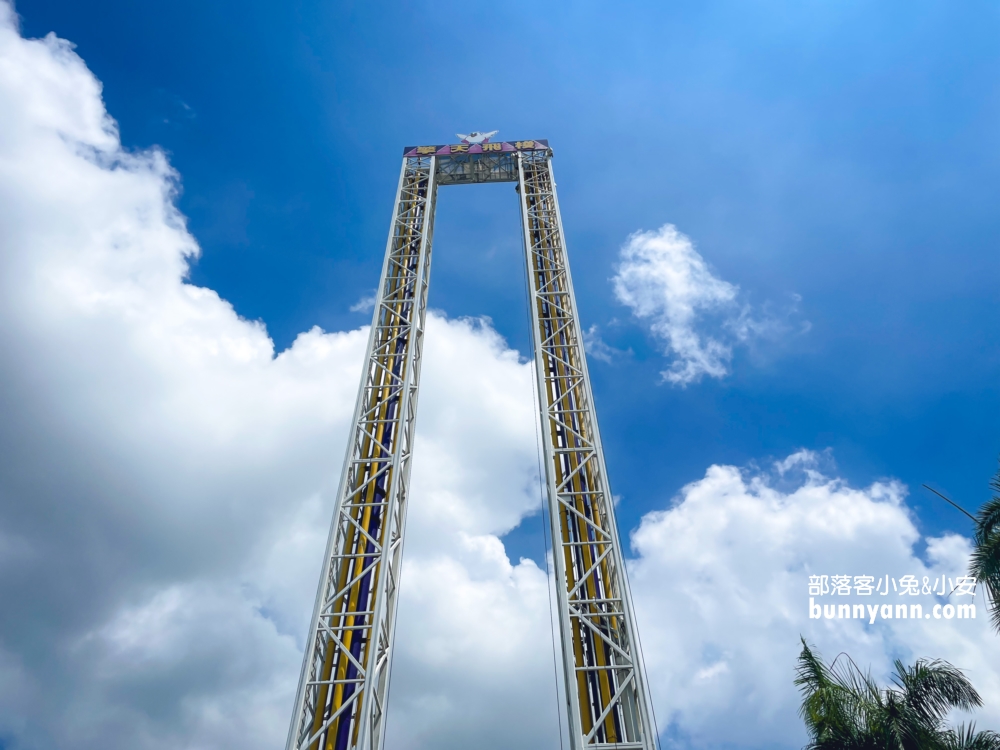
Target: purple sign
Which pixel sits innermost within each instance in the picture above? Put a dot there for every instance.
(475, 148)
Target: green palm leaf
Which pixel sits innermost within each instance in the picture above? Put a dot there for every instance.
(844, 708)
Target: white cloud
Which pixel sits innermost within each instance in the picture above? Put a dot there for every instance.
(664, 279)
(597, 347)
(166, 481)
(365, 304)
(721, 586)
(666, 282)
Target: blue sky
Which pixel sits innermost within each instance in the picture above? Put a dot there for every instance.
(844, 152)
(838, 162)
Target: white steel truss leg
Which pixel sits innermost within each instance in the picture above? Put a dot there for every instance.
(608, 703)
(343, 688)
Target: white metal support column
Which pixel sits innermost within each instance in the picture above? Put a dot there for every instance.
(606, 692)
(343, 688)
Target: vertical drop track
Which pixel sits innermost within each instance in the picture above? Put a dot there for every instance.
(605, 685)
(344, 683)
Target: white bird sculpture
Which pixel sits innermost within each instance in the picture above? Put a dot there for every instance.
(477, 138)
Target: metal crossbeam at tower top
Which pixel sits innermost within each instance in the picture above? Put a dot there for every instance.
(343, 689)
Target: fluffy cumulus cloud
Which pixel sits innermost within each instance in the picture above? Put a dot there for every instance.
(166, 482)
(166, 479)
(722, 588)
(667, 283)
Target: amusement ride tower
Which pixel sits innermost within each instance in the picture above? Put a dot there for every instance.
(343, 688)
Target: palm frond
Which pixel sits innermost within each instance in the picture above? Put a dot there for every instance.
(845, 709)
(932, 688)
(984, 566)
(984, 563)
(965, 737)
(988, 515)
(829, 709)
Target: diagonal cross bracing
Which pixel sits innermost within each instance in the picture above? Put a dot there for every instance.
(345, 670)
(608, 704)
(343, 688)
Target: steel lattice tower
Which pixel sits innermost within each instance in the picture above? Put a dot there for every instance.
(343, 688)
